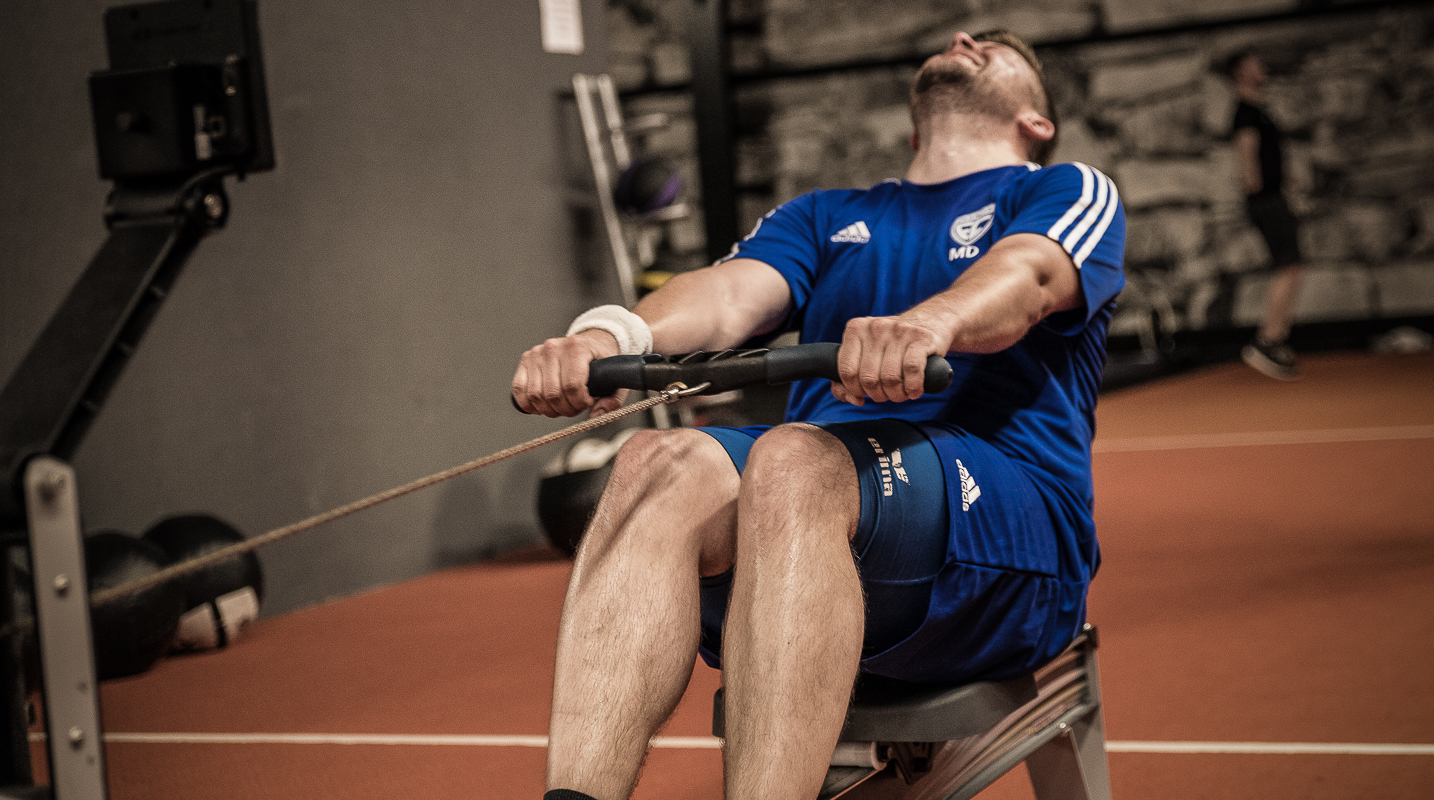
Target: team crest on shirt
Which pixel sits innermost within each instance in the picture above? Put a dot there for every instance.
(967, 228)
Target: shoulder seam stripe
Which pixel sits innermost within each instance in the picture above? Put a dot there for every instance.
(1091, 215)
(1099, 232)
(1087, 184)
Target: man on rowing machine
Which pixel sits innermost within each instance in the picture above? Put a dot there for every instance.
(938, 537)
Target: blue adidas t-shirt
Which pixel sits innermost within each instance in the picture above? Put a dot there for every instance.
(880, 251)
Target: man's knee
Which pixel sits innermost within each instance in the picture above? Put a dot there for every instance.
(795, 466)
(799, 455)
(653, 458)
(679, 486)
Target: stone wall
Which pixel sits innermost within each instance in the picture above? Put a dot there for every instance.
(1355, 91)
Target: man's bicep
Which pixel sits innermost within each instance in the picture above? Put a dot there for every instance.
(759, 297)
(1077, 208)
(716, 307)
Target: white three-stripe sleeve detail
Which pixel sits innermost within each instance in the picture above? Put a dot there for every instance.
(1112, 203)
(737, 245)
(1072, 240)
(1087, 183)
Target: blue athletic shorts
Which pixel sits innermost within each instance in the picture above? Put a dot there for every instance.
(957, 560)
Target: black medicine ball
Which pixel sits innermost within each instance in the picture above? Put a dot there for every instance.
(133, 632)
(566, 503)
(218, 600)
(647, 184)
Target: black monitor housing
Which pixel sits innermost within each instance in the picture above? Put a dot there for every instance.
(184, 92)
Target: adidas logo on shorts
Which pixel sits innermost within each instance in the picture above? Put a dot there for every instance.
(969, 490)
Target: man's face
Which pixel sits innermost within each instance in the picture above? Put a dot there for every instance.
(974, 76)
(1251, 72)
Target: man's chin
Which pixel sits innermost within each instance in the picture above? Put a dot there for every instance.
(946, 73)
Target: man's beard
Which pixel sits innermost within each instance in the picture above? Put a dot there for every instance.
(952, 86)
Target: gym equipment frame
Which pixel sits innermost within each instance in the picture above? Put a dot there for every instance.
(182, 106)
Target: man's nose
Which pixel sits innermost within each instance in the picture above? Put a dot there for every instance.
(962, 39)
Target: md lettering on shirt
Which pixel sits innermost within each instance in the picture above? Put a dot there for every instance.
(967, 228)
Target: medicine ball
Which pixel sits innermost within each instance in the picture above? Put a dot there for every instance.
(130, 633)
(647, 184)
(220, 599)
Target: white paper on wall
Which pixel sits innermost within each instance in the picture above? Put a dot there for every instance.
(562, 23)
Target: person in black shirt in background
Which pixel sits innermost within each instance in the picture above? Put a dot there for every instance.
(1258, 144)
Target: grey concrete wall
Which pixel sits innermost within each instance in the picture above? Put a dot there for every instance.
(1355, 90)
(357, 323)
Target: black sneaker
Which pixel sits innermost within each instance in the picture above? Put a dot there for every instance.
(1275, 360)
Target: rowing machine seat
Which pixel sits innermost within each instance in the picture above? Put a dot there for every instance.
(949, 741)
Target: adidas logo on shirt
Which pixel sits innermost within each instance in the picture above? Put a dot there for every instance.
(856, 232)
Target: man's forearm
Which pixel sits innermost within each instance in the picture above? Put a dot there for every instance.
(984, 312)
(994, 303)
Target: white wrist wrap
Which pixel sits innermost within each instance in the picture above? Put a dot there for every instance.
(633, 336)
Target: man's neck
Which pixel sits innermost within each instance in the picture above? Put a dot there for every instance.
(955, 146)
(1251, 94)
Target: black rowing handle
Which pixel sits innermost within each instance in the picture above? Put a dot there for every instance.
(733, 369)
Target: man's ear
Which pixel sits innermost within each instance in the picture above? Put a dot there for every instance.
(1032, 125)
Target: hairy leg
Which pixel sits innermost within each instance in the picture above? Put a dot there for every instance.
(1280, 304)
(629, 632)
(793, 636)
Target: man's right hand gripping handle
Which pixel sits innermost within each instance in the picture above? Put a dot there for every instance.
(552, 378)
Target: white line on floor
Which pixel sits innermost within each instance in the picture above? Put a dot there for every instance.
(450, 740)
(1274, 748)
(458, 740)
(712, 743)
(1257, 438)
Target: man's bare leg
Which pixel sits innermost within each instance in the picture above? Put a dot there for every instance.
(629, 632)
(1280, 304)
(794, 624)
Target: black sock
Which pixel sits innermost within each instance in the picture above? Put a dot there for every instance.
(567, 794)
